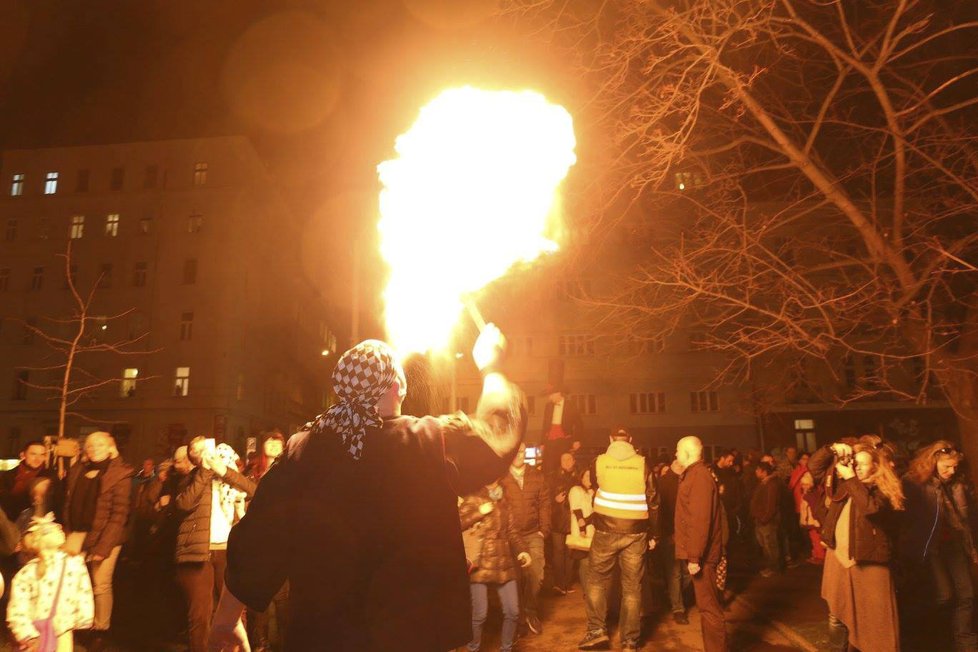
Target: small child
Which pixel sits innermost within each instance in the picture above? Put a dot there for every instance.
(52, 594)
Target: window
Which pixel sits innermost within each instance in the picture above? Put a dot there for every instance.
(805, 434)
(186, 326)
(871, 371)
(118, 177)
(127, 388)
(151, 178)
(51, 183)
(20, 385)
(145, 224)
(585, 403)
(655, 344)
(139, 274)
(37, 279)
(703, 402)
(181, 385)
(576, 345)
(4, 279)
(81, 183)
(10, 233)
(44, 228)
(849, 371)
(200, 174)
(71, 277)
(77, 227)
(17, 185)
(112, 225)
(105, 275)
(648, 403)
(194, 223)
(189, 271)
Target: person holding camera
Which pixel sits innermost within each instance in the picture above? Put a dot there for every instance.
(862, 494)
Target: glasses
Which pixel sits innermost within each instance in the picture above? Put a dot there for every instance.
(947, 450)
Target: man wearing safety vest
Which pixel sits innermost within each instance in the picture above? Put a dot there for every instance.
(625, 519)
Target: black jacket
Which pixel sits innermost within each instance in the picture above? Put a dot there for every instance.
(371, 548)
(500, 544)
(530, 506)
(13, 504)
(192, 505)
(111, 509)
(561, 483)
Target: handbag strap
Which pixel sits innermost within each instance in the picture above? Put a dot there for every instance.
(57, 593)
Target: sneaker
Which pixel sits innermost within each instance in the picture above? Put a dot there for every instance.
(593, 640)
(534, 624)
(680, 617)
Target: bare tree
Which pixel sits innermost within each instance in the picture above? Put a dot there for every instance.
(76, 342)
(806, 178)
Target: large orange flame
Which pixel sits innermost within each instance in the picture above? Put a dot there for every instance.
(472, 193)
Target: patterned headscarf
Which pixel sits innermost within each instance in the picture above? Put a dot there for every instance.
(362, 375)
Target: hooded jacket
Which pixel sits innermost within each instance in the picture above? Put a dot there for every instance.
(621, 466)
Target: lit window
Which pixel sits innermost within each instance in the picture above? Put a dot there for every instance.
(804, 424)
(186, 326)
(194, 223)
(112, 225)
(118, 177)
(105, 275)
(81, 184)
(703, 402)
(10, 233)
(648, 403)
(37, 279)
(17, 185)
(77, 227)
(139, 274)
(51, 183)
(4, 279)
(151, 177)
(145, 224)
(127, 388)
(200, 174)
(688, 181)
(181, 385)
(189, 271)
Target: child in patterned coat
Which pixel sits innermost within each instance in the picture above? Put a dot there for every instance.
(53, 587)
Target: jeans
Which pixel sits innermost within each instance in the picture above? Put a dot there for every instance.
(769, 539)
(678, 581)
(101, 573)
(202, 584)
(628, 550)
(950, 570)
(508, 600)
(531, 577)
(563, 563)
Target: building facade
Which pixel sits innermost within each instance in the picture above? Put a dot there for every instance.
(192, 261)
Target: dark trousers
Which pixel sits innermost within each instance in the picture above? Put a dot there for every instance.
(769, 539)
(950, 571)
(563, 563)
(258, 622)
(711, 613)
(202, 584)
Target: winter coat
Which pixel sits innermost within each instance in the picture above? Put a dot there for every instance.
(111, 509)
(560, 513)
(925, 516)
(668, 486)
(699, 522)
(871, 518)
(529, 505)
(500, 545)
(31, 597)
(193, 504)
(766, 502)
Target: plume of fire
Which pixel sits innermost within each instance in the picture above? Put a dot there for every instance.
(472, 192)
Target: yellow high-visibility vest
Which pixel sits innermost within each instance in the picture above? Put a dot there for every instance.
(621, 487)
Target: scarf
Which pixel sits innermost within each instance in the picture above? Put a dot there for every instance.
(362, 376)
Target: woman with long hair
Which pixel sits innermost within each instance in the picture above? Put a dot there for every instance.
(858, 528)
(937, 543)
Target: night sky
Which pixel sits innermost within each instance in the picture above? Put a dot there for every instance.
(321, 87)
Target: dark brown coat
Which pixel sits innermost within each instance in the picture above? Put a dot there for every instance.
(699, 516)
(497, 561)
(871, 518)
(530, 506)
(766, 501)
(111, 509)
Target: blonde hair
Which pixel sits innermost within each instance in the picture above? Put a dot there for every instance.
(924, 464)
(882, 476)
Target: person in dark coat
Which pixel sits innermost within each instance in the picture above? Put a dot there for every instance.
(15, 483)
(699, 533)
(96, 510)
(496, 565)
(562, 560)
(362, 514)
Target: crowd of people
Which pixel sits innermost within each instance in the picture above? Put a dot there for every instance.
(892, 532)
